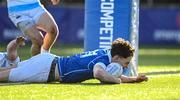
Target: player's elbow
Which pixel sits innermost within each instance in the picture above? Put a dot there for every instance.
(12, 56)
(99, 74)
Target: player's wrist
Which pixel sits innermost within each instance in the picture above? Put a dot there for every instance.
(139, 79)
(136, 79)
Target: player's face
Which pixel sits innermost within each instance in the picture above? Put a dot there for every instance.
(123, 61)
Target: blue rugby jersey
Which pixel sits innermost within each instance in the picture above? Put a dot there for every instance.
(79, 67)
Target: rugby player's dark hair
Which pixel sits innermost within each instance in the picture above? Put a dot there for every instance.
(122, 48)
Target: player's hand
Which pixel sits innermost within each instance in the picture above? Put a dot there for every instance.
(55, 2)
(20, 41)
(141, 78)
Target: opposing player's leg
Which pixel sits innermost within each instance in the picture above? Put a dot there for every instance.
(31, 70)
(29, 28)
(47, 23)
(37, 40)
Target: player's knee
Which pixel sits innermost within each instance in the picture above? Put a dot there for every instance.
(40, 42)
(54, 30)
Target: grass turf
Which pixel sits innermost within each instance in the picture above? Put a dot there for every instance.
(153, 61)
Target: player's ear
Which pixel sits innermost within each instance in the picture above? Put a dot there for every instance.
(115, 58)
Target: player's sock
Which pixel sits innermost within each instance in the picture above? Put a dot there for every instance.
(44, 51)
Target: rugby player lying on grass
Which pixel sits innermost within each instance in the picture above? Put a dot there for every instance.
(47, 67)
(10, 57)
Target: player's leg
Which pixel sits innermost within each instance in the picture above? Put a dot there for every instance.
(33, 70)
(24, 21)
(29, 28)
(36, 39)
(48, 24)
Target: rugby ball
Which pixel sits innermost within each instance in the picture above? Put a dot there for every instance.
(114, 69)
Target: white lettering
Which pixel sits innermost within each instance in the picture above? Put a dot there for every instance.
(106, 23)
(11, 33)
(107, 5)
(167, 35)
(107, 14)
(106, 31)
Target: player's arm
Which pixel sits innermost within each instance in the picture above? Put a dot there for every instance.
(4, 74)
(100, 74)
(12, 47)
(55, 2)
(138, 79)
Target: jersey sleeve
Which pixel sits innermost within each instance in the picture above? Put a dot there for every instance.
(101, 64)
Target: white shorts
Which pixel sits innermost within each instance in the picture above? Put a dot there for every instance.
(32, 15)
(35, 69)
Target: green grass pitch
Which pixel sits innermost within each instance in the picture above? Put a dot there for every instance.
(162, 66)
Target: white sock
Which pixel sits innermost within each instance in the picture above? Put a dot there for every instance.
(44, 51)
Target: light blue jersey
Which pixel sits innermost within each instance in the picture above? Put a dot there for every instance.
(79, 67)
(5, 62)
